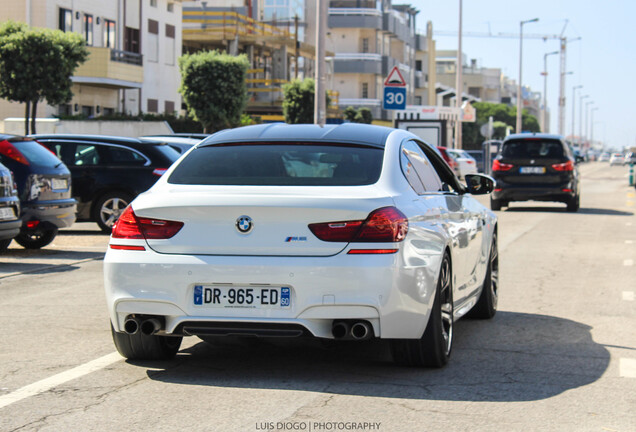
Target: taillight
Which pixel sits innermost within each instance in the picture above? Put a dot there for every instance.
(567, 166)
(387, 224)
(7, 149)
(498, 166)
(159, 171)
(129, 226)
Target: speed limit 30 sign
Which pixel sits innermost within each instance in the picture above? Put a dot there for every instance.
(394, 91)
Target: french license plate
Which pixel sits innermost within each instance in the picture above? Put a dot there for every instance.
(242, 297)
(532, 170)
(7, 213)
(59, 184)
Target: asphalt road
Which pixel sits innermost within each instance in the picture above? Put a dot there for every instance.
(560, 354)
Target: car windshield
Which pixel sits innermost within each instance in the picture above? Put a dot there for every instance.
(297, 164)
(532, 149)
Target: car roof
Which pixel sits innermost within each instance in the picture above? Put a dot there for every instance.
(344, 133)
(112, 139)
(534, 135)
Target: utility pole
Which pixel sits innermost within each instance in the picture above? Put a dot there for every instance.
(544, 112)
(459, 84)
(573, 107)
(319, 95)
(519, 125)
(296, 46)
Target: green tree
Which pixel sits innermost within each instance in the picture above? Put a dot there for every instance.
(349, 114)
(36, 65)
(364, 115)
(298, 102)
(213, 88)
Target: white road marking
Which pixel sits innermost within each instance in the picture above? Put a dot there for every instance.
(628, 295)
(627, 368)
(628, 224)
(629, 241)
(48, 383)
(628, 262)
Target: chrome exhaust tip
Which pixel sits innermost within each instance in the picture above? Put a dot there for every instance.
(150, 326)
(361, 330)
(340, 329)
(131, 326)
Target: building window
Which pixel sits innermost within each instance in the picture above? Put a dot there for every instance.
(153, 105)
(108, 111)
(170, 44)
(88, 29)
(87, 111)
(170, 7)
(66, 20)
(153, 3)
(131, 40)
(65, 110)
(169, 107)
(365, 90)
(152, 45)
(365, 45)
(418, 65)
(418, 100)
(110, 34)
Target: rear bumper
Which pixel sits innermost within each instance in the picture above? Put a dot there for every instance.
(60, 213)
(394, 298)
(561, 192)
(9, 229)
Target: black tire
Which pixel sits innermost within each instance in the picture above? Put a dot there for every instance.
(36, 239)
(108, 209)
(143, 347)
(495, 204)
(433, 349)
(4, 245)
(574, 204)
(486, 306)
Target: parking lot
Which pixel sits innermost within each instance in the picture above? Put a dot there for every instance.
(559, 355)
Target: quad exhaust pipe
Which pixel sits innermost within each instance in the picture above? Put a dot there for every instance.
(357, 330)
(147, 326)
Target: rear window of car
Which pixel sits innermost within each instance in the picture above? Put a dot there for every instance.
(296, 164)
(36, 154)
(168, 152)
(532, 149)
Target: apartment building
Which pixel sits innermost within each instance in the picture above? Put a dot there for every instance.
(133, 45)
(369, 38)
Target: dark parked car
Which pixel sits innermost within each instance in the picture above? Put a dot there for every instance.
(537, 167)
(44, 189)
(10, 222)
(108, 171)
(180, 143)
(449, 160)
(478, 155)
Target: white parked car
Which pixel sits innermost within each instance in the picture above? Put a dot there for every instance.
(467, 163)
(616, 159)
(337, 232)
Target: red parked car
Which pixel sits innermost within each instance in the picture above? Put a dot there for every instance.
(449, 160)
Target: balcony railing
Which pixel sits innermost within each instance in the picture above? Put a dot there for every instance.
(126, 57)
(358, 56)
(360, 102)
(355, 12)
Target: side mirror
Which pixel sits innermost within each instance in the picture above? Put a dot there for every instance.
(479, 184)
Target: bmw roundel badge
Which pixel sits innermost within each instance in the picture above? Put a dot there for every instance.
(244, 224)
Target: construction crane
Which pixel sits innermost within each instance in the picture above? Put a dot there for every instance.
(562, 73)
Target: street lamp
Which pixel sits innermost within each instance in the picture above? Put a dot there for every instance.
(592, 126)
(459, 84)
(519, 96)
(573, 107)
(587, 116)
(545, 89)
(581, 117)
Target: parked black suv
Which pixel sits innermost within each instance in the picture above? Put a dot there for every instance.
(109, 172)
(537, 167)
(10, 222)
(44, 189)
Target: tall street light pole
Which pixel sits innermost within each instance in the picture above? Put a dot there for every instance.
(519, 84)
(573, 107)
(581, 117)
(587, 116)
(564, 42)
(545, 91)
(320, 109)
(592, 126)
(459, 84)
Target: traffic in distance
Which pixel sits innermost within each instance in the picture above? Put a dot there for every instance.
(348, 232)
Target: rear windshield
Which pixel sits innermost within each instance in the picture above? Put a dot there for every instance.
(295, 164)
(170, 153)
(532, 149)
(36, 154)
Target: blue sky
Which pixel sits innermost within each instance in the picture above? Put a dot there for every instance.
(603, 61)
